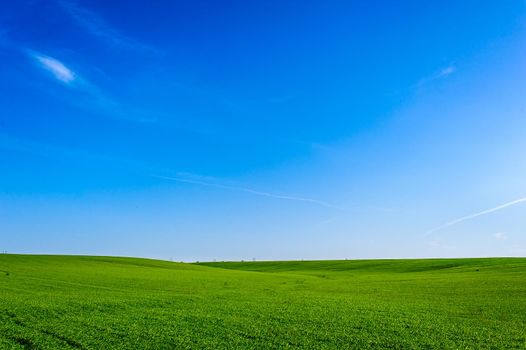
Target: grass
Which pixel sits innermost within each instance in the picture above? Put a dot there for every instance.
(80, 302)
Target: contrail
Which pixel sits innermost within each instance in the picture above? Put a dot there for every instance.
(484, 212)
(249, 190)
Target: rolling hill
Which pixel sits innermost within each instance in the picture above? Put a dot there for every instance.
(83, 302)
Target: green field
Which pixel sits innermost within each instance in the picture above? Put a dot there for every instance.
(49, 302)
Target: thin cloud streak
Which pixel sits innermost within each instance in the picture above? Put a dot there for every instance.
(96, 26)
(249, 190)
(442, 73)
(91, 97)
(446, 71)
(52, 151)
(472, 216)
(55, 67)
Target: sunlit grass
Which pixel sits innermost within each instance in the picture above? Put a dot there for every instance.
(49, 302)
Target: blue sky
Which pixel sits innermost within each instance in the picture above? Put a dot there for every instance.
(265, 129)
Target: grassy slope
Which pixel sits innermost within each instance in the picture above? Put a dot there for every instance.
(103, 303)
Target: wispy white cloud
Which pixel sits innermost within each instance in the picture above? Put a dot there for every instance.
(500, 236)
(472, 216)
(58, 152)
(55, 67)
(444, 72)
(427, 80)
(97, 26)
(190, 180)
(90, 96)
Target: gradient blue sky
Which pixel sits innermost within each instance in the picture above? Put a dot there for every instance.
(201, 130)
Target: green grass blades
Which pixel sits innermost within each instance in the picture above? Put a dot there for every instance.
(54, 302)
